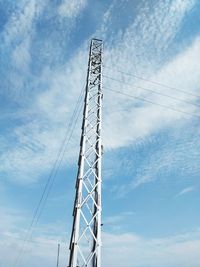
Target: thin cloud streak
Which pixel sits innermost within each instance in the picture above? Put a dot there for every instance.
(186, 191)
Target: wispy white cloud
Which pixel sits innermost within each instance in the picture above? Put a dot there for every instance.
(143, 120)
(120, 217)
(175, 161)
(21, 22)
(127, 123)
(118, 249)
(186, 190)
(21, 56)
(144, 43)
(124, 249)
(37, 141)
(38, 249)
(72, 8)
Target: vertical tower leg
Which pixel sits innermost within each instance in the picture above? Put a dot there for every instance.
(85, 243)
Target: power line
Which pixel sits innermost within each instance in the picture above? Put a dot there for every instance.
(46, 191)
(154, 92)
(51, 178)
(153, 82)
(59, 163)
(154, 103)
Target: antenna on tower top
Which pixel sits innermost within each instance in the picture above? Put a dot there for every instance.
(85, 243)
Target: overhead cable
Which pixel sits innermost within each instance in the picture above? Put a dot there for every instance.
(154, 103)
(153, 82)
(50, 181)
(152, 91)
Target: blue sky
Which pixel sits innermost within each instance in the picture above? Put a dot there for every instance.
(151, 161)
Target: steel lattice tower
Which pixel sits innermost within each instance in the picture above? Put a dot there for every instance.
(85, 244)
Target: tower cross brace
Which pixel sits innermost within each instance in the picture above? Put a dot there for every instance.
(85, 243)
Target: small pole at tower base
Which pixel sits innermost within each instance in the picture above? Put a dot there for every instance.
(58, 255)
